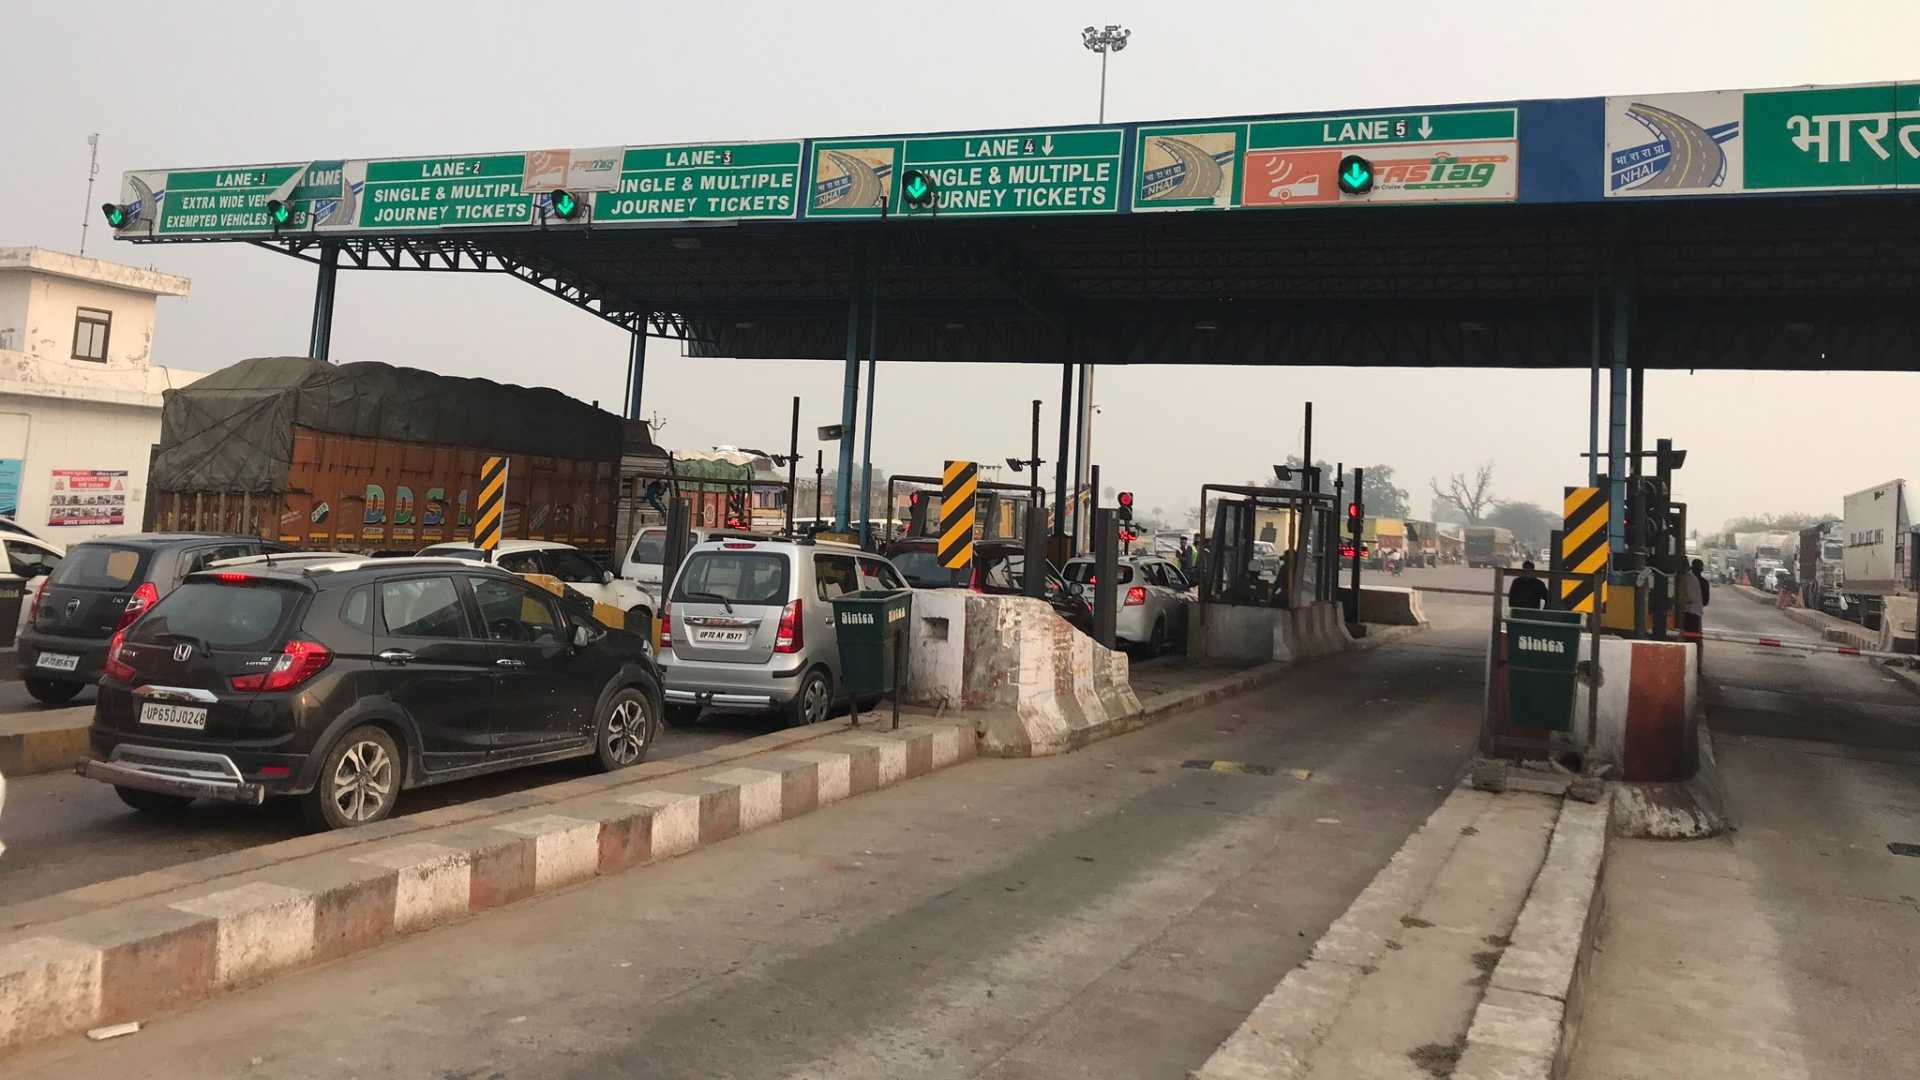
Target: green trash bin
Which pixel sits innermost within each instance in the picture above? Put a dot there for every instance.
(871, 627)
(1543, 652)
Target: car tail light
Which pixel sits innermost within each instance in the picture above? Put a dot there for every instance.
(299, 661)
(739, 547)
(789, 638)
(117, 668)
(33, 611)
(233, 577)
(666, 622)
(1136, 596)
(143, 598)
(975, 582)
(275, 772)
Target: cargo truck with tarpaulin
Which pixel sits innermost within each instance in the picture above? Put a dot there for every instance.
(370, 457)
(1876, 570)
(1489, 546)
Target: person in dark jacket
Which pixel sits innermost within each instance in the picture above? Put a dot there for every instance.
(1527, 591)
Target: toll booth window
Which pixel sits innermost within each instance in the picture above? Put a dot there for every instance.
(90, 326)
(422, 607)
(835, 575)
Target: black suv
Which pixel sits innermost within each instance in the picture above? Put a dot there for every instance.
(102, 586)
(344, 680)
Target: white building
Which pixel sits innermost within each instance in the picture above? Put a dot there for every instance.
(79, 393)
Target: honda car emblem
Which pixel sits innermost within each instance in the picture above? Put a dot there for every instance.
(182, 653)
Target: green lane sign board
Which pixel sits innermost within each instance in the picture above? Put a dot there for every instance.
(445, 192)
(1385, 129)
(1014, 172)
(706, 182)
(215, 202)
(1835, 137)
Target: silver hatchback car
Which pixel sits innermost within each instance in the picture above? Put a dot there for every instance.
(748, 626)
(1154, 600)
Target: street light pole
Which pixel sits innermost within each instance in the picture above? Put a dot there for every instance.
(1104, 40)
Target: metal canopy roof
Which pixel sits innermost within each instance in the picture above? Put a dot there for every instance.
(1799, 283)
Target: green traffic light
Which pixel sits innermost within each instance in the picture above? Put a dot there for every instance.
(917, 188)
(116, 215)
(279, 213)
(565, 204)
(1356, 175)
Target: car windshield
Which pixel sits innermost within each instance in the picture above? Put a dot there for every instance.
(220, 615)
(651, 547)
(454, 551)
(738, 577)
(101, 566)
(1082, 572)
(921, 567)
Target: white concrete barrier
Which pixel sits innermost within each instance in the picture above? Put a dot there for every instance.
(1038, 685)
(1647, 709)
(1390, 605)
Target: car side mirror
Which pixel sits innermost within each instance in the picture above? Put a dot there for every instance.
(582, 637)
(606, 577)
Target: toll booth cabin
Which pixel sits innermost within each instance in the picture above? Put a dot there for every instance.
(1267, 565)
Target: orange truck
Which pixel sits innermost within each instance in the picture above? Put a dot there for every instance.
(369, 457)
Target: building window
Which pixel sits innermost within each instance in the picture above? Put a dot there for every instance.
(90, 326)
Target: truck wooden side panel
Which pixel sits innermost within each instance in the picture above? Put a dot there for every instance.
(345, 493)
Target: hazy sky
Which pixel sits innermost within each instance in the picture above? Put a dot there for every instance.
(197, 83)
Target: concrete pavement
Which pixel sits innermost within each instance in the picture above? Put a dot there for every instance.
(1789, 948)
(1104, 913)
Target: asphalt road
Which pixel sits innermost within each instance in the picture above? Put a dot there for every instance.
(1104, 913)
(63, 831)
(1787, 948)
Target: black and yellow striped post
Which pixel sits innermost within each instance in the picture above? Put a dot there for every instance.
(490, 512)
(1583, 546)
(958, 484)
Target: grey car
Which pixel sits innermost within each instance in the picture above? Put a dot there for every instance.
(749, 626)
(1153, 599)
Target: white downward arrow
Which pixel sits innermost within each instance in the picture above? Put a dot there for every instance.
(1426, 126)
(1046, 147)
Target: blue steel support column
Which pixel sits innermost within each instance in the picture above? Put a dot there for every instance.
(1593, 394)
(1622, 327)
(322, 338)
(849, 399)
(866, 437)
(636, 373)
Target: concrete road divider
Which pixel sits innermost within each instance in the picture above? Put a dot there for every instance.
(1647, 721)
(1389, 605)
(128, 960)
(43, 741)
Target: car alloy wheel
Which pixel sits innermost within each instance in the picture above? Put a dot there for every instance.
(363, 781)
(815, 699)
(629, 729)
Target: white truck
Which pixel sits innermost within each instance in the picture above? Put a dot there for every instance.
(1877, 568)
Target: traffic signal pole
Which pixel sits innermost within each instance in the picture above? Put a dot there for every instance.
(1356, 513)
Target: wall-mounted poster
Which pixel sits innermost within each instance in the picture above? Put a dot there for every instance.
(10, 469)
(88, 497)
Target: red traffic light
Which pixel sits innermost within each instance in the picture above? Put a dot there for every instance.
(1353, 511)
(1126, 500)
(915, 498)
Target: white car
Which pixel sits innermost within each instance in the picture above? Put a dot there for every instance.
(1153, 607)
(564, 561)
(645, 558)
(30, 558)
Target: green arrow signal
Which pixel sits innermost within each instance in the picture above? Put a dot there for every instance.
(917, 188)
(1356, 175)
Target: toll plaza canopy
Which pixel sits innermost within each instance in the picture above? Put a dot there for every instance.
(1730, 229)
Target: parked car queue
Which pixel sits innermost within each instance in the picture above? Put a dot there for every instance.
(236, 670)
